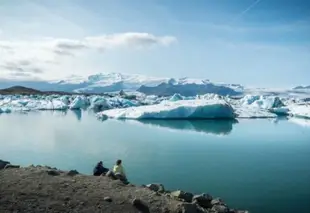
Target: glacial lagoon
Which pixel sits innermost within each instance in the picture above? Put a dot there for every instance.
(261, 165)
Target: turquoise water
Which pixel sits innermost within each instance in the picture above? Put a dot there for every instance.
(259, 165)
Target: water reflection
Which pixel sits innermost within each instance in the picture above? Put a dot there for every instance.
(300, 122)
(217, 127)
(78, 114)
(279, 119)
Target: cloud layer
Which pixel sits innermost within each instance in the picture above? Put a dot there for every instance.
(20, 58)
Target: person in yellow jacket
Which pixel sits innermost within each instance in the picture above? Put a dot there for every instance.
(119, 171)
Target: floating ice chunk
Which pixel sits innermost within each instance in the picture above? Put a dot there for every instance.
(35, 104)
(5, 110)
(48, 105)
(118, 102)
(262, 102)
(254, 106)
(210, 96)
(99, 103)
(280, 111)
(249, 99)
(252, 112)
(65, 99)
(152, 99)
(129, 103)
(79, 102)
(301, 111)
(59, 105)
(20, 102)
(268, 102)
(185, 109)
(52, 104)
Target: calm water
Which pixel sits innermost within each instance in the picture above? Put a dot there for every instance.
(259, 165)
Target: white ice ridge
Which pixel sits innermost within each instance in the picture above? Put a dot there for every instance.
(183, 109)
(300, 111)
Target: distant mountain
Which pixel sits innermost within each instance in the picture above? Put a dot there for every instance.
(20, 90)
(40, 85)
(302, 87)
(165, 89)
(112, 82)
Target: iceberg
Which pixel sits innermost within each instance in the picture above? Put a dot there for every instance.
(57, 105)
(53, 104)
(300, 111)
(5, 110)
(280, 111)
(151, 99)
(184, 109)
(261, 102)
(79, 102)
(252, 112)
(249, 99)
(118, 102)
(20, 102)
(255, 106)
(65, 99)
(210, 96)
(99, 103)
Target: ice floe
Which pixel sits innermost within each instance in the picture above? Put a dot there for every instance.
(300, 111)
(184, 109)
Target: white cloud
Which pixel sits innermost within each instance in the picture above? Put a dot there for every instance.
(128, 39)
(34, 57)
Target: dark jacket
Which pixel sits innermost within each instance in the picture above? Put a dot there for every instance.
(99, 170)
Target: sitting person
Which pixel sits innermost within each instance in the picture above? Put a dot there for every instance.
(100, 169)
(119, 171)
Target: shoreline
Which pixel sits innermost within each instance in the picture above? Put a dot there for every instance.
(46, 189)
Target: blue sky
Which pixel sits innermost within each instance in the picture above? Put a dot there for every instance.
(262, 43)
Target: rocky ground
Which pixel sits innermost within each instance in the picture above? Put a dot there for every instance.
(44, 189)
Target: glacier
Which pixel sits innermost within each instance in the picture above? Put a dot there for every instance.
(184, 109)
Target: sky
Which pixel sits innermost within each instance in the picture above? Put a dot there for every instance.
(259, 43)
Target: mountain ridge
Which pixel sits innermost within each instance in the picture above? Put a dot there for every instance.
(112, 82)
(301, 87)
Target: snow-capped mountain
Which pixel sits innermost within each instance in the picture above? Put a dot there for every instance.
(301, 87)
(111, 82)
(109, 79)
